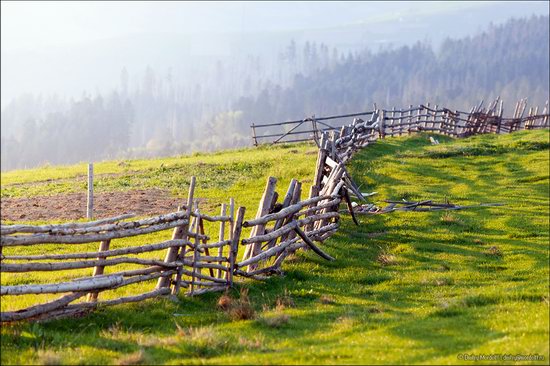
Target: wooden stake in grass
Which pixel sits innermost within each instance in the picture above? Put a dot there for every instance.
(90, 204)
(98, 270)
(263, 209)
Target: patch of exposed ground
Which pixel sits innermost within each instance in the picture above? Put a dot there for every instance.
(72, 206)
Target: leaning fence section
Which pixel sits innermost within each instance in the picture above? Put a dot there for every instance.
(194, 260)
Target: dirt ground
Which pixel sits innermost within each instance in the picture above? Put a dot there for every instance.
(73, 206)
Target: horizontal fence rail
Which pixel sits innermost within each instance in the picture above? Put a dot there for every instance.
(197, 261)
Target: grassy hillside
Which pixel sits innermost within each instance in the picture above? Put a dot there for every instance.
(405, 288)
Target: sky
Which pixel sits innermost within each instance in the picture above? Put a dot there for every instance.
(66, 47)
(34, 24)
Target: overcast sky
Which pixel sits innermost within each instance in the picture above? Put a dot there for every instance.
(30, 24)
(67, 47)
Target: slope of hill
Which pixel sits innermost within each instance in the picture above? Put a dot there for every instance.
(405, 288)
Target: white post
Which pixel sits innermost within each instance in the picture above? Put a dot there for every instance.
(90, 206)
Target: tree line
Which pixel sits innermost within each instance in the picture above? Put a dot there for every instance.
(157, 113)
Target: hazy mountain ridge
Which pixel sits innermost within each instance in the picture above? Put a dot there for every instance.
(160, 112)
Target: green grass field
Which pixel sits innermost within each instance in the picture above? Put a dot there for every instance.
(406, 287)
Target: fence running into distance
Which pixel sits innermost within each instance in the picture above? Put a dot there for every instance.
(196, 262)
(397, 122)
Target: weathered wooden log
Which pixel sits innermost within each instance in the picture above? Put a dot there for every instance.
(98, 270)
(204, 265)
(130, 273)
(39, 266)
(286, 202)
(296, 195)
(320, 166)
(195, 256)
(289, 250)
(35, 310)
(143, 278)
(331, 203)
(271, 235)
(208, 258)
(285, 212)
(203, 276)
(121, 225)
(263, 209)
(236, 237)
(221, 218)
(310, 244)
(74, 286)
(337, 189)
(221, 237)
(321, 238)
(266, 254)
(10, 229)
(315, 234)
(313, 192)
(180, 232)
(219, 244)
(75, 308)
(200, 283)
(107, 253)
(81, 239)
(350, 207)
(206, 250)
(289, 227)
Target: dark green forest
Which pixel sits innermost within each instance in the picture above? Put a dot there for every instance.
(157, 116)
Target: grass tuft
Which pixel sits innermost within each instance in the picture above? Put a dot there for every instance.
(284, 301)
(386, 259)
(136, 358)
(494, 251)
(275, 321)
(225, 302)
(48, 357)
(241, 308)
(327, 300)
(449, 218)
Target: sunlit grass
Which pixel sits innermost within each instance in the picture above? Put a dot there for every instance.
(406, 287)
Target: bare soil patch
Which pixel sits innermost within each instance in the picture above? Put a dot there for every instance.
(73, 206)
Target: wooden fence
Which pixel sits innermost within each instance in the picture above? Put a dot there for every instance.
(201, 263)
(398, 122)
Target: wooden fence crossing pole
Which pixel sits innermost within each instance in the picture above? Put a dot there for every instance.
(90, 203)
(98, 270)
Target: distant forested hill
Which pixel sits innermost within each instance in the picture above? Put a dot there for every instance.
(511, 60)
(157, 114)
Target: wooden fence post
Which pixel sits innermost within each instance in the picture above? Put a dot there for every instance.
(180, 232)
(263, 209)
(90, 203)
(315, 130)
(235, 239)
(254, 134)
(381, 126)
(98, 270)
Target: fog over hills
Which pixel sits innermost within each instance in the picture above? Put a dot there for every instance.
(189, 45)
(99, 80)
